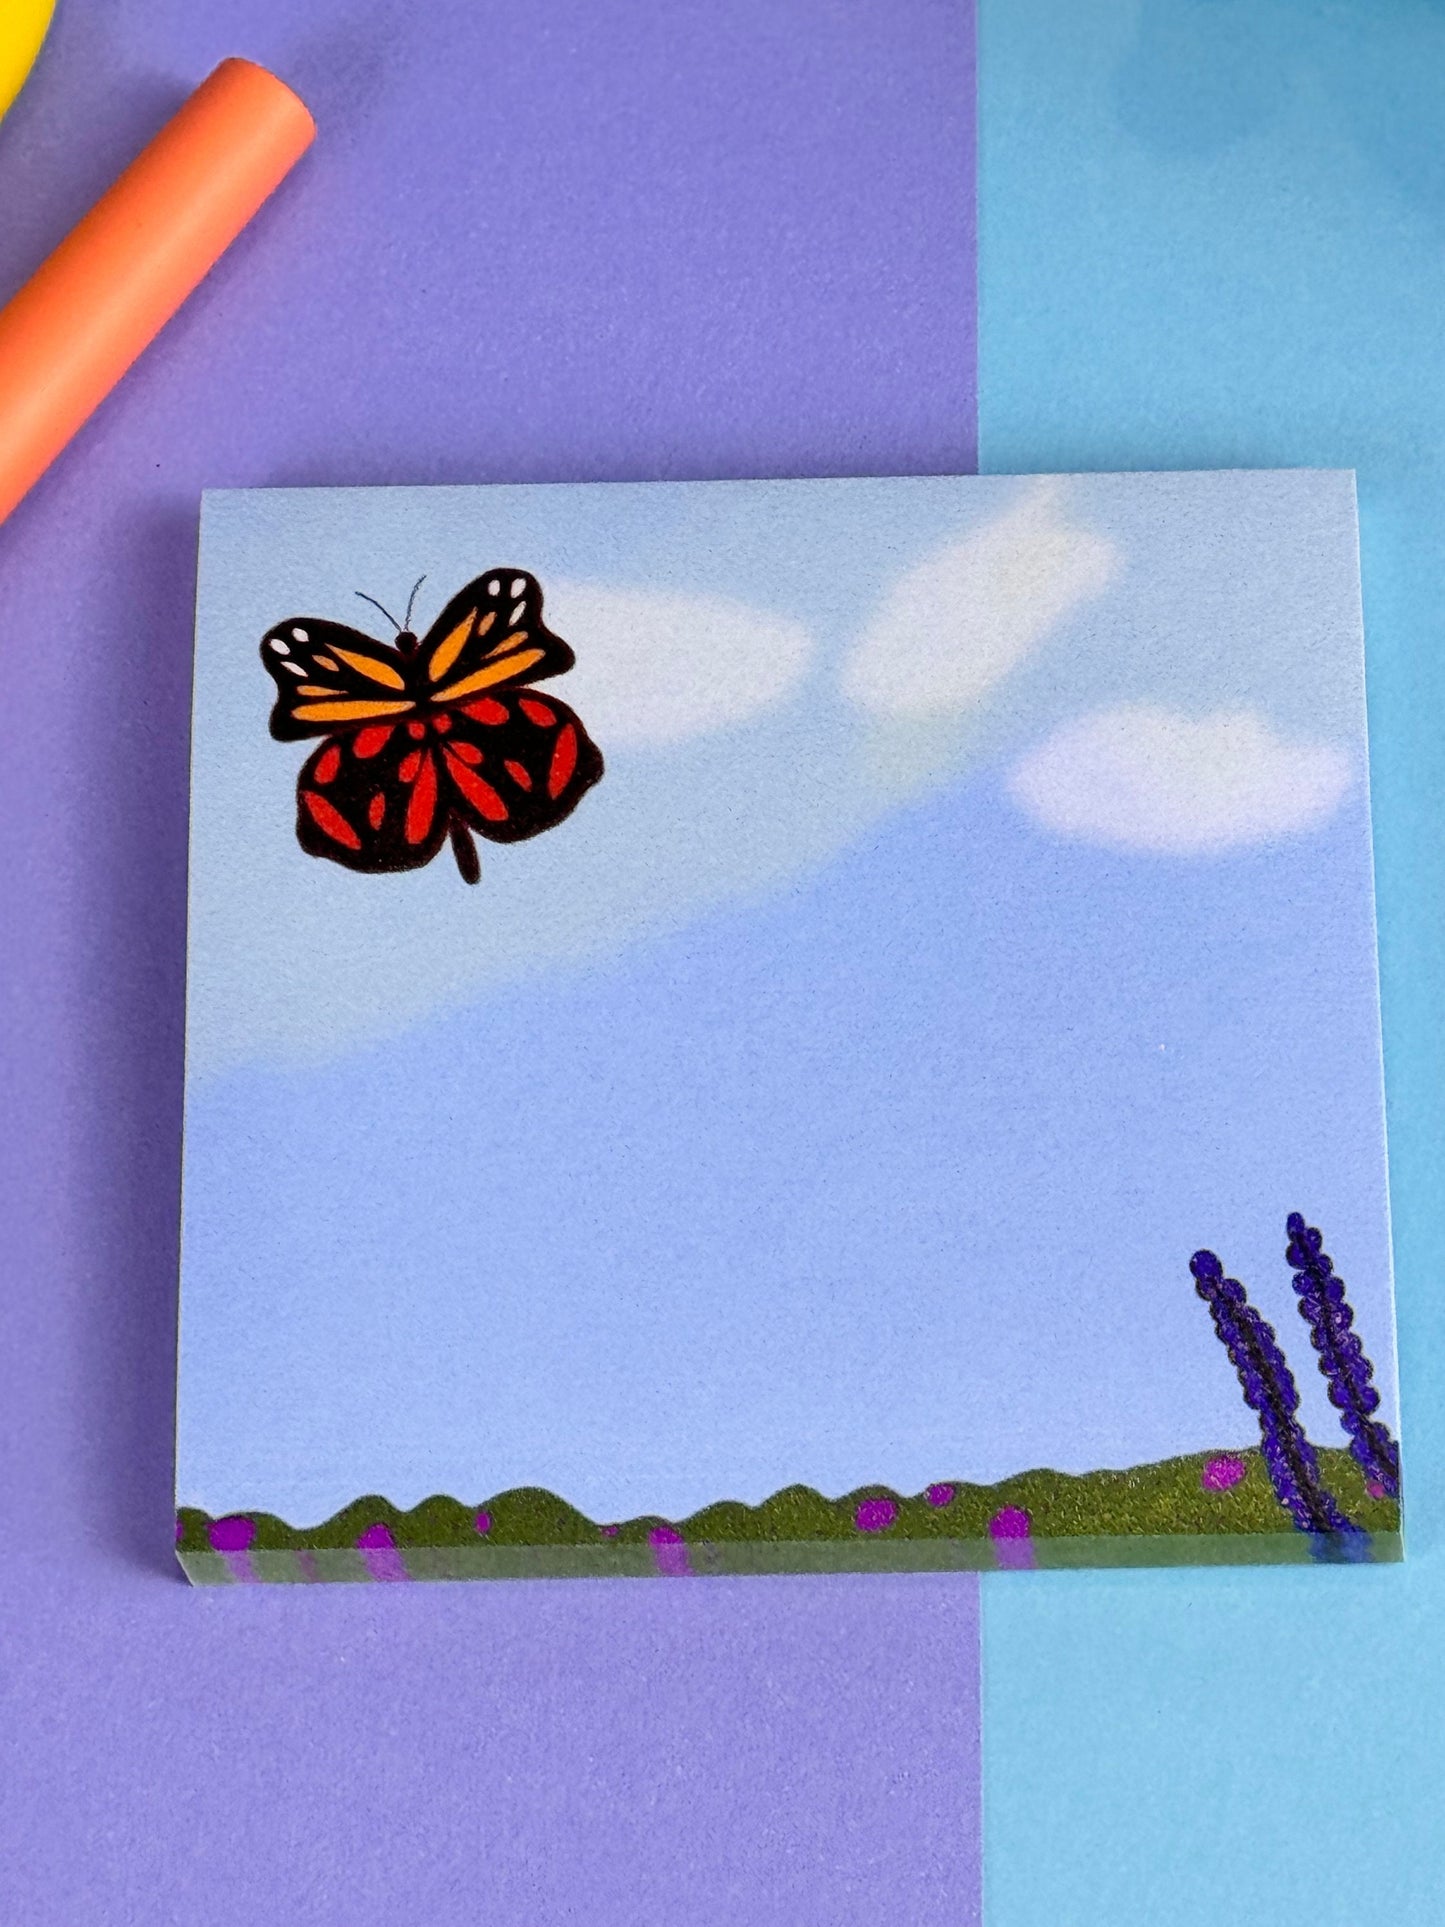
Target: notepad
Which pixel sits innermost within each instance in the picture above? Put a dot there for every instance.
(782, 1026)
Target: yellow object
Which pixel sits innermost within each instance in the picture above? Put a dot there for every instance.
(22, 28)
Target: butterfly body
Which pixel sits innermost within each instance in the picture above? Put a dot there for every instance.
(433, 737)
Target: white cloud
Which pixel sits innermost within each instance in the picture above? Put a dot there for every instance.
(961, 619)
(655, 667)
(1140, 777)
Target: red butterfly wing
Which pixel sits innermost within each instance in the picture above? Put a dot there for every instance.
(516, 762)
(373, 799)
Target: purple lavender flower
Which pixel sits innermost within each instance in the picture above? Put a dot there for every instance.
(1342, 1358)
(1271, 1393)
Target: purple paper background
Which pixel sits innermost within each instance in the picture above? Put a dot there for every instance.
(600, 238)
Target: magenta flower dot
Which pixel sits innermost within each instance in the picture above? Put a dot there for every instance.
(376, 1537)
(483, 1522)
(609, 1532)
(1374, 1488)
(231, 1535)
(669, 1552)
(1222, 1472)
(1010, 1522)
(875, 1515)
(942, 1494)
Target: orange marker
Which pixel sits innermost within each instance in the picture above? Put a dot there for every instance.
(110, 287)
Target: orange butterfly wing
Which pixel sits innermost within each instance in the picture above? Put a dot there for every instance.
(330, 677)
(491, 634)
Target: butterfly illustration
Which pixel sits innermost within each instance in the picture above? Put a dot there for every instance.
(432, 737)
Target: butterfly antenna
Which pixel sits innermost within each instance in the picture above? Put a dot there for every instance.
(411, 599)
(377, 605)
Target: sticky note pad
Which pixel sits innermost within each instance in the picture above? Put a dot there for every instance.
(782, 1026)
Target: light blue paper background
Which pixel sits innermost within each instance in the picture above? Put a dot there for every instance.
(1216, 233)
(566, 1181)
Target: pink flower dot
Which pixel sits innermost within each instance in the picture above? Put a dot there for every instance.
(1374, 1488)
(376, 1537)
(483, 1522)
(1010, 1522)
(231, 1535)
(609, 1532)
(1222, 1472)
(942, 1494)
(875, 1515)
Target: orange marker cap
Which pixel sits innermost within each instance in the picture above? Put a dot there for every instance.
(110, 287)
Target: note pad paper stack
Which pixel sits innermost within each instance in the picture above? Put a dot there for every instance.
(782, 1026)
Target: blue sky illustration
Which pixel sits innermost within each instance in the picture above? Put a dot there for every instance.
(974, 919)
